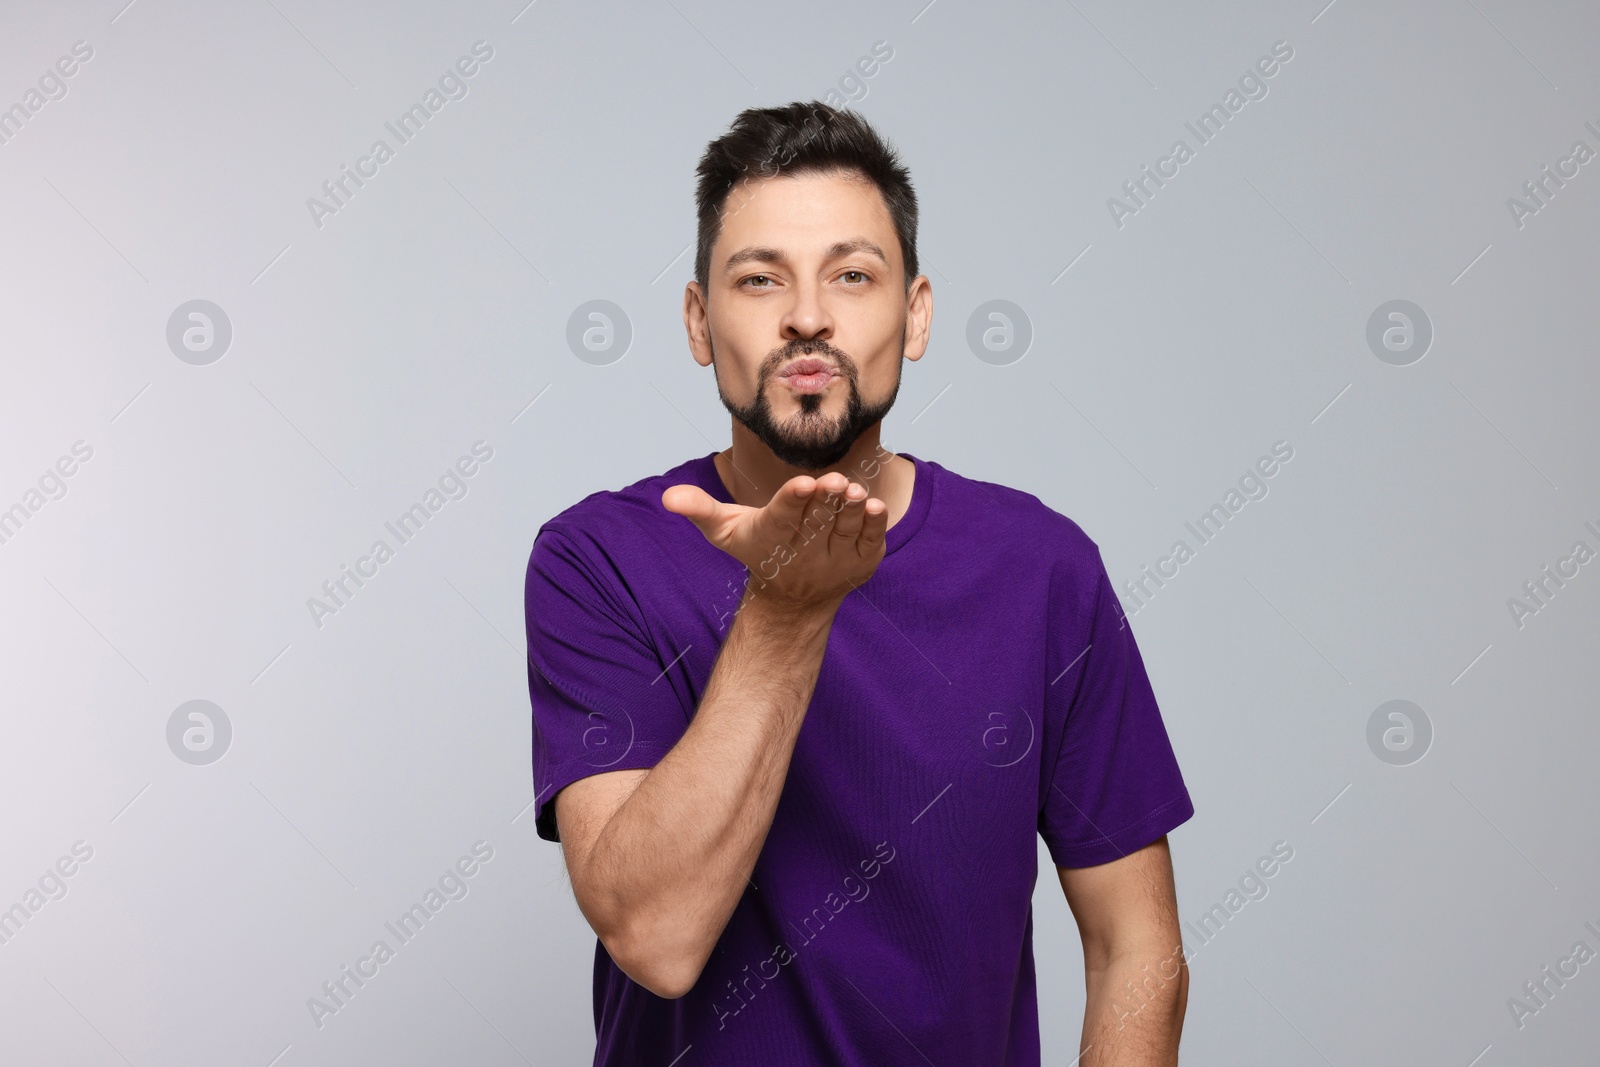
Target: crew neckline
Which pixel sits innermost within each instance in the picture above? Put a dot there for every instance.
(922, 491)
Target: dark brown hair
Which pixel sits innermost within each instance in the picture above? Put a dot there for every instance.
(801, 138)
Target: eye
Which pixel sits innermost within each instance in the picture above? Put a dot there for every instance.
(859, 274)
(755, 277)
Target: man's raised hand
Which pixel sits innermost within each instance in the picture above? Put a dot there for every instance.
(813, 542)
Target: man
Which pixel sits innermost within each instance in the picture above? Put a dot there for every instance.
(801, 706)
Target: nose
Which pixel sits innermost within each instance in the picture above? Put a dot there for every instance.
(807, 318)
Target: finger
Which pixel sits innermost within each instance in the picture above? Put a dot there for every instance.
(788, 504)
(827, 503)
(847, 524)
(833, 482)
(874, 526)
(694, 504)
(797, 498)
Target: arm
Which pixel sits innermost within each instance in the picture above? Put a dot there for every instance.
(1136, 974)
(659, 858)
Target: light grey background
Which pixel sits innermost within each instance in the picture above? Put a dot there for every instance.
(370, 352)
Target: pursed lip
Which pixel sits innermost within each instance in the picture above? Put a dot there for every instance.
(808, 365)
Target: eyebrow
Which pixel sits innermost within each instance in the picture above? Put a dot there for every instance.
(762, 254)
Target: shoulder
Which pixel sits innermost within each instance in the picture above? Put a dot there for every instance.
(613, 522)
(1013, 516)
(601, 557)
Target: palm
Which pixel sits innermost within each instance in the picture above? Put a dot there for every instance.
(816, 539)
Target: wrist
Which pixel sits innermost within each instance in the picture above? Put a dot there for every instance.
(774, 612)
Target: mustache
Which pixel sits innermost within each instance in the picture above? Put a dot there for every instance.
(811, 346)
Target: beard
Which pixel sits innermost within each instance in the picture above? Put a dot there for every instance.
(810, 440)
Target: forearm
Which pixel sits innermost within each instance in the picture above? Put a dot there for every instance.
(674, 859)
(1135, 1007)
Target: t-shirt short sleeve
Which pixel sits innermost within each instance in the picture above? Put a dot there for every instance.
(601, 701)
(1114, 786)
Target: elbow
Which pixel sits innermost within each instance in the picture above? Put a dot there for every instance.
(674, 985)
(657, 947)
(664, 971)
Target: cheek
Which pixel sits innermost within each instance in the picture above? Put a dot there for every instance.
(880, 366)
(736, 379)
(736, 357)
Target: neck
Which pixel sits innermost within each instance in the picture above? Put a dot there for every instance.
(753, 474)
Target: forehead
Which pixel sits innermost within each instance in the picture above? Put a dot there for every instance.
(803, 214)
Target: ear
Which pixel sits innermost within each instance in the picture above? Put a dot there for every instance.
(697, 323)
(919, 316)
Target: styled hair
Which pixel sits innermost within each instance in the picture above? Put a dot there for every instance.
(801, 138)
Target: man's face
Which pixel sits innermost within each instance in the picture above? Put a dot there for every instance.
(807, 312)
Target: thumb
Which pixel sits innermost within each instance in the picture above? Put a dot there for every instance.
(692, 502)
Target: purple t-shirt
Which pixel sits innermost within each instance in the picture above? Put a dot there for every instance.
(982, 687)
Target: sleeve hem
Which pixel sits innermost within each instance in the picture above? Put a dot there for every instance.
(1097, 851)
(641, 755)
